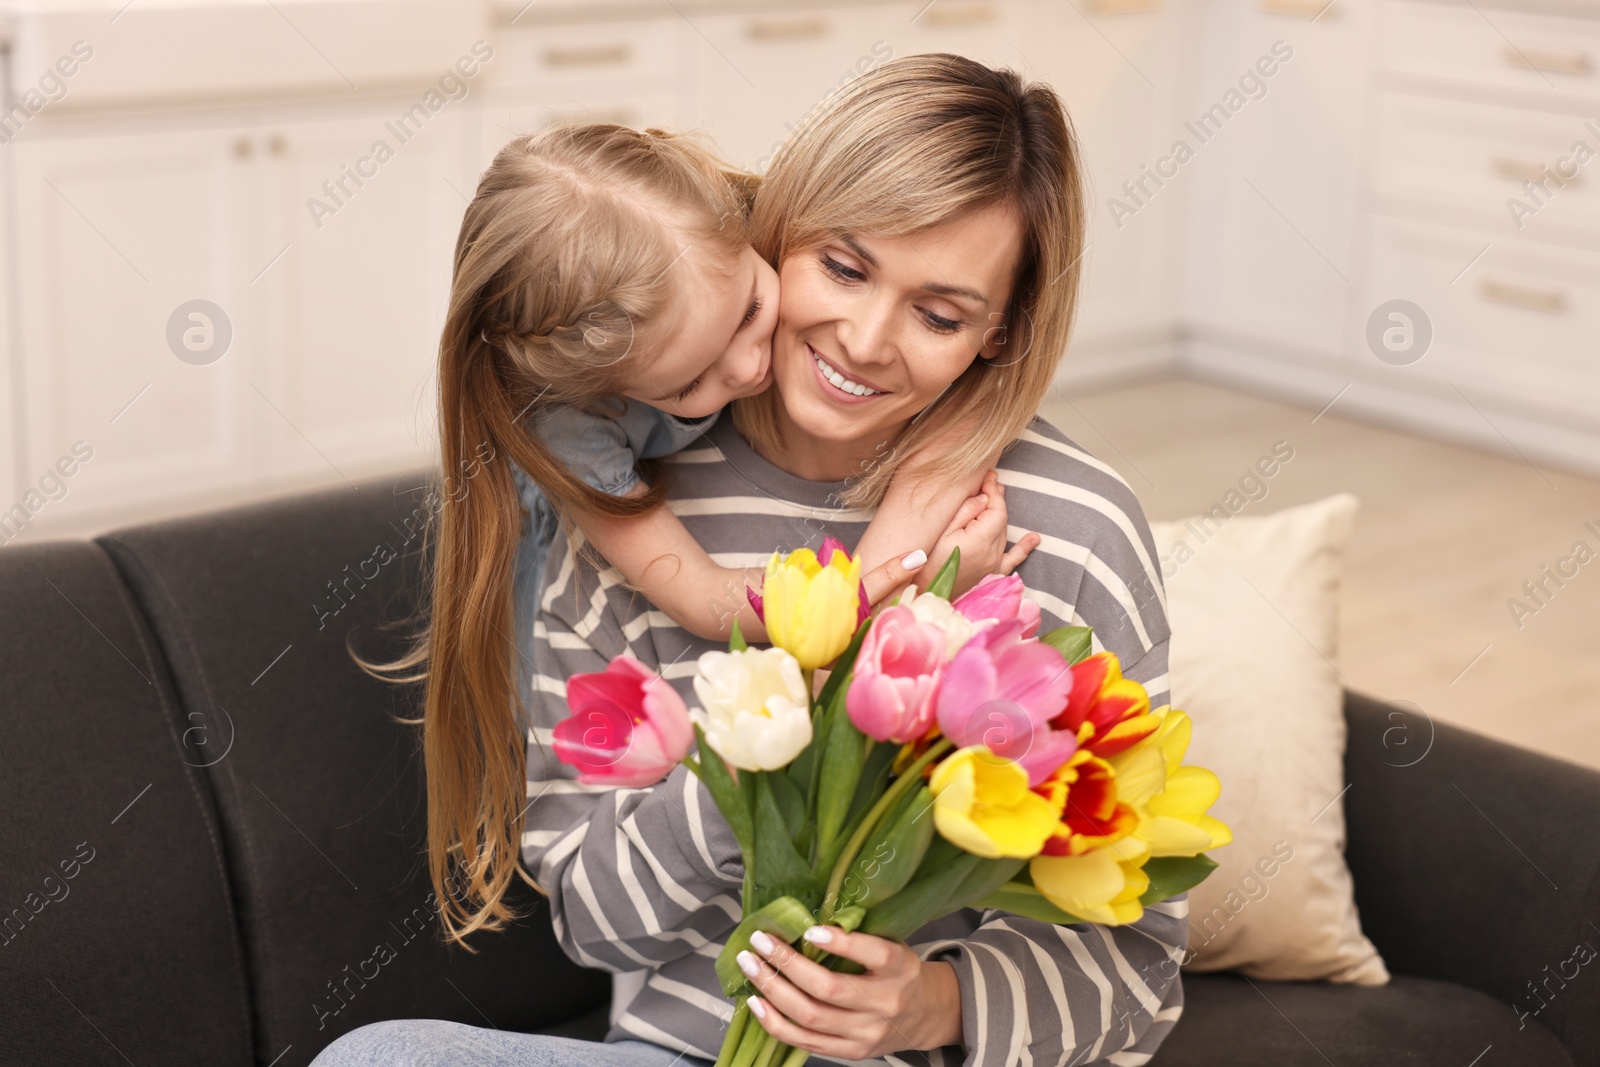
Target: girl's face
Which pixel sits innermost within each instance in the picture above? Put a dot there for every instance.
(874, 329)
(722, 346)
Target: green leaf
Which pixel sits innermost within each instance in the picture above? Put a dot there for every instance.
(908, 910)
(1073, 642)
(985, 878)
(891, 855)
(874, 779)
(843, 756)
(785, 918)
(1023, 899)
(732, 799)
(790, 803)
(944, 579)
(736, 639)
(842, 666)
(849, 918)
(1171, 875)
(777, 865)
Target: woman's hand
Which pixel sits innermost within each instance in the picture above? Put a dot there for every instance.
(979, 530)
(901, 1002)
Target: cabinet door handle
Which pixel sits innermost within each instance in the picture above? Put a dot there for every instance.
(599, 55)
(962, 15)
(1541, 59)
(1526, 170)
(786, 29)
(1548, 301)
(1305, 8)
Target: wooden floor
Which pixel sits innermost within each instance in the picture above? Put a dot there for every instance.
(1445, 538)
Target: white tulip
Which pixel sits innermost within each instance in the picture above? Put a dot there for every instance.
(936, 610)
(755, 710)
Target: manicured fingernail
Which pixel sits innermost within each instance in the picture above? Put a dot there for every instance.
(748, 964)
(757, 1007)
(818, 935)
(983, 497)
(762, 943)
(915, 560)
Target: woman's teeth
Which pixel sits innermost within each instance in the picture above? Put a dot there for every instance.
(840, 381)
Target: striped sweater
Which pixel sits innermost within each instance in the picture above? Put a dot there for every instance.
(648, 880)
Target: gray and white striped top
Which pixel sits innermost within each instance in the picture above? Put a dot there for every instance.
(649, 879)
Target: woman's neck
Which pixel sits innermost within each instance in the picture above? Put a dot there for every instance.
(813, 458)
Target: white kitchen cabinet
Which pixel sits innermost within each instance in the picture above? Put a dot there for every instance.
(353, 302)
(115, 232)
(334, 316)
(1270, 246)
(1517, 329)
(634, 73)
(758, 75)
(1120, 77)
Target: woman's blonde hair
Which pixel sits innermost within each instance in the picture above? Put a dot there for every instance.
(920, 141)
(562, 278)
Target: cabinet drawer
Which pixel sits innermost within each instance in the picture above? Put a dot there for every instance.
(1519, 323)
(1477, 157)
(604, 51)
(1513, 50)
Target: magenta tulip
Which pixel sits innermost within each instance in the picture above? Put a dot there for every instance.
(896, 678)
(999, 596)
(1001, 690)
(628, 727)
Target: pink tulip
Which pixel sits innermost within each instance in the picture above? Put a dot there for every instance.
(897, 675)
(1001, 691)
(999, 596)
(628, 727)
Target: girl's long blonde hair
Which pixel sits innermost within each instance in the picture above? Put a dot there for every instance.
(562, 277)
(919, 141)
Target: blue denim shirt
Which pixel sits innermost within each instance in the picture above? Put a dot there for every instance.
(602, 451)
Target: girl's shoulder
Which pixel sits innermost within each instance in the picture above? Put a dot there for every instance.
(640, 430)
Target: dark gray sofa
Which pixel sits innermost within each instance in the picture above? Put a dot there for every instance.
(212, 845)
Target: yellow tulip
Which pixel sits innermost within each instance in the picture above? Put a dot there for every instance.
(982, 804)
(811, 611)
(1170, 799)
(1103, 886)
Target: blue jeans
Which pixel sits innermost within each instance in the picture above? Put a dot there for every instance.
(436, 1043)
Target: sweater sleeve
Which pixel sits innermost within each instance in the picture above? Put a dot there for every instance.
(1067, 995)
(635, 877)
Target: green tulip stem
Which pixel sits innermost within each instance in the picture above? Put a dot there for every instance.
(795, 1058)
(735, 1034)
(911, 776)
(769, 1051)
(750, 1044)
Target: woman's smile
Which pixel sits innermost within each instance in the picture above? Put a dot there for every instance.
(839, 386)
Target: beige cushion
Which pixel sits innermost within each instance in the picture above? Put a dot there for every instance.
(1253, 603)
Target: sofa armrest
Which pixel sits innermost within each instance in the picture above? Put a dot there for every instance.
(1477, 862)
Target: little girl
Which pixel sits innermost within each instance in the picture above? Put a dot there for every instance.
(606, 304)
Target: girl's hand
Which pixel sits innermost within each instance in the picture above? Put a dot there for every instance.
(979, 530)
(901, 1002)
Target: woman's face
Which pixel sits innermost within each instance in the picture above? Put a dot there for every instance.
(893, 320)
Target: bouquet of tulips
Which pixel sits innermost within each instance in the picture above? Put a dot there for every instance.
(1056, 791)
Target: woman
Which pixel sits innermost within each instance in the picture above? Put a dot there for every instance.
(927, 230)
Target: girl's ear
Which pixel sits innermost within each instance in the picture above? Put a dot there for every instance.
(995, 336)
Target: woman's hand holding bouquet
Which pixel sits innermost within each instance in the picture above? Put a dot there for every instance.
(954, 758)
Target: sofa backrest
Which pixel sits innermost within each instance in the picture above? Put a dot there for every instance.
(282, 873)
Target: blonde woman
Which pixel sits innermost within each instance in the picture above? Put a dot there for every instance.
(927, 231)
